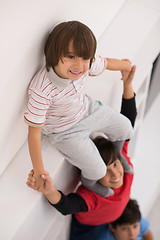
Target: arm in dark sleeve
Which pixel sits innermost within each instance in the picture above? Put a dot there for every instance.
(70, 204)
(128, 109)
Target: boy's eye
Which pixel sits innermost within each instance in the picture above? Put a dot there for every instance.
(124, 228)
(86, 58)
(71, 57)
(115, 164)
(135, 225)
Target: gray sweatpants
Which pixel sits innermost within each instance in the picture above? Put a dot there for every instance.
(77, 147)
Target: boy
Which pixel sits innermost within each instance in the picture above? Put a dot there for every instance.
(91, 211)
(130, 225)
(59, 107)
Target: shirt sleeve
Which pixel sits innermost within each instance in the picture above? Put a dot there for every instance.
(71, 204)
(98, 66)
(38, 105)
(128, 109)
(144, 226)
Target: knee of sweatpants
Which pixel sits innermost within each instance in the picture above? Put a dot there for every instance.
(128, 129)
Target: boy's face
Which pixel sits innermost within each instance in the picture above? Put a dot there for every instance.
(114, 175)
(72, 67)
(126, 231)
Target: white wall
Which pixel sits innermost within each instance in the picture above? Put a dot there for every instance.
(123, 29)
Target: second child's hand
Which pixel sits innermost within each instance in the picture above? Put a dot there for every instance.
(48, 188)
(127, 85)
(125, 73)
(33, 182)
(39, 182)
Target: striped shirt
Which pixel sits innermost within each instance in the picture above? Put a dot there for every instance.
(57, 104)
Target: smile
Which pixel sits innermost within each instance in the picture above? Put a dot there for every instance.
(75, 73)
(115, 180)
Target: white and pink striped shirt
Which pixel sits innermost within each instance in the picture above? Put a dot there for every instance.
(57, 104)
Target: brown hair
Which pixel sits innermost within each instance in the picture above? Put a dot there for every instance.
(57, 45)
(130, 215)
(107, 150)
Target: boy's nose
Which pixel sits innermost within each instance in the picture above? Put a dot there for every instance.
(114, 173)
(78, 63)
(131, 233)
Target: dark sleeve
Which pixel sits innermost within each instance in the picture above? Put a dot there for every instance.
(70, 204)
(128, 109)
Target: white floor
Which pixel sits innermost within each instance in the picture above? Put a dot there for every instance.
(146, 185)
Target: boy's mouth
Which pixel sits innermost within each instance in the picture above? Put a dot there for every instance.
(115, 180)
(75, 72)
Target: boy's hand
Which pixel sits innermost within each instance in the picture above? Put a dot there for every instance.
(128, 92)
(48, 189)
(39, 182)
(47, 185)
(127, 66)
(130, 77)
(31, 181)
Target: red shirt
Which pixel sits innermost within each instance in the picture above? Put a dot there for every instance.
(105, 210)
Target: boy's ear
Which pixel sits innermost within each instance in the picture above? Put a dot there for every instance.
(111, 227)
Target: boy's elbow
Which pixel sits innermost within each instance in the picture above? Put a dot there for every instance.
(64, 212)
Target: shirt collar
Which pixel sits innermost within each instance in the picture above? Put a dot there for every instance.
(60, 83)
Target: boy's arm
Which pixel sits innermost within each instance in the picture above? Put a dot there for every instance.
(123, 65)
(70, 204)
(34, 143)
(148, 236)
(128, 106)
(66, 204)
